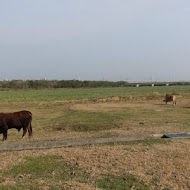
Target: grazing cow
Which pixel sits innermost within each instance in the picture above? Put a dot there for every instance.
(170, 98)
(17, 120)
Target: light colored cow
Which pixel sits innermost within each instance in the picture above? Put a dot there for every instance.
(170, 98)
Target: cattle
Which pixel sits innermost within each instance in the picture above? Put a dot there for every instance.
(170, 98)
(18, 120)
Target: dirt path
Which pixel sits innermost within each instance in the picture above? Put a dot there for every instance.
(79, 142)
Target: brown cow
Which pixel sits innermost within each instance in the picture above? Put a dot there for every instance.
(17, 120)
(170, 98)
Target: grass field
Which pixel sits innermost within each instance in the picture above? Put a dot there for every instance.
(102, 112)
(32, 96)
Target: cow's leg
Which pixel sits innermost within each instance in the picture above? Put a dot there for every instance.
(4, 135)
(26, 124)
(5, 129)
(24, 131)
(29, 130)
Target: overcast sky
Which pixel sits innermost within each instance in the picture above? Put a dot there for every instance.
(95, 39)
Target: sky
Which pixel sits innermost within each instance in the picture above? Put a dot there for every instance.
(114, 40)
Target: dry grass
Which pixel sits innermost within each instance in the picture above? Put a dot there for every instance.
(55, 120)
(161, 165)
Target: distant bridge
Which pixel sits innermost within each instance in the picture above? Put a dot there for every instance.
(156, 83)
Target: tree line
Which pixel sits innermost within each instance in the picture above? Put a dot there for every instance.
(44, 84)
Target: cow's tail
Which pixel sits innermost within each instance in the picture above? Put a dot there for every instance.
(30, 126)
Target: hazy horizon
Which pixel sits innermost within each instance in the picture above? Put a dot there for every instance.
(95, 40)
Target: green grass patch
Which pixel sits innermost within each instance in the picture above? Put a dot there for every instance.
(125, 182)
(50, 95)
(89, 121)
(47, 167)
(46, 171)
